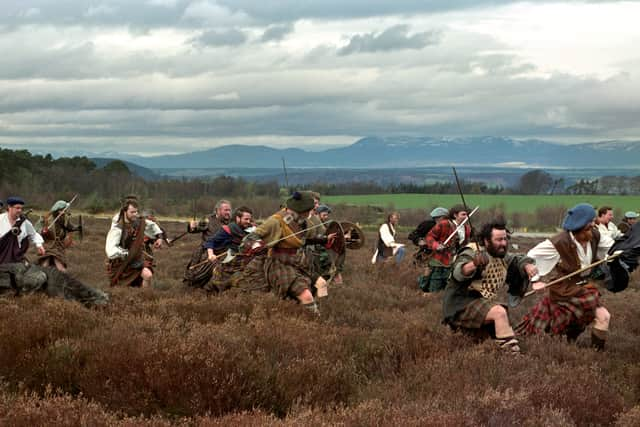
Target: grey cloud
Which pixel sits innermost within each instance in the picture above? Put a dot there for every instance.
(394, 38)
(232, 37)
(200, 13)
(276, 32)
(453, 104)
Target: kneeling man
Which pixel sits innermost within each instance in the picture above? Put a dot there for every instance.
(470, 302)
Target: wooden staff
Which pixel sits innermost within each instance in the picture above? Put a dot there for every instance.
(582, 270)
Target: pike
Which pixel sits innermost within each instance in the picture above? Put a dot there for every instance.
(575, 273)
(455, 174)
(231, 256)
(63, 211)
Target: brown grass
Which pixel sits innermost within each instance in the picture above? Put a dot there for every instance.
(378, 356)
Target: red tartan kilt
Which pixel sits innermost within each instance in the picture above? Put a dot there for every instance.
(557, 316)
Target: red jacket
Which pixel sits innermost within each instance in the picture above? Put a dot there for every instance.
(439, 233)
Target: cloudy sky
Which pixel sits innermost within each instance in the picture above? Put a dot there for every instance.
(167, 76)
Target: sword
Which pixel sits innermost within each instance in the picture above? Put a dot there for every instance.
(454, 232)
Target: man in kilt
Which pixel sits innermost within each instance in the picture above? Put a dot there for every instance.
(56, 236)
(422, 256)
(442, 255)
(282, 269)
(320, 261)
(470, 301)
(573, 304)
(128, 264)
(198, 272)
(228, 239)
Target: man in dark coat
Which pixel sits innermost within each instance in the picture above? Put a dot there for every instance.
(470, 298)
(198, 272)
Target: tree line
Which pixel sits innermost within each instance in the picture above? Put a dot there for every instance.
(43, 179)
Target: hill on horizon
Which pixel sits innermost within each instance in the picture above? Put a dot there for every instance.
(396, 152)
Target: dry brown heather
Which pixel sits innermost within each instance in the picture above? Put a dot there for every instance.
(378, 356)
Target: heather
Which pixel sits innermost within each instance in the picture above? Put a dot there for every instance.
(378, 356)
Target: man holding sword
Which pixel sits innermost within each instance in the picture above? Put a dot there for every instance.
(444, 240)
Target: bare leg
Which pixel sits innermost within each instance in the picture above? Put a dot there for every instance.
(498, 316)
(600, 330)
(505, 337)
(306, 299)
(146, 275)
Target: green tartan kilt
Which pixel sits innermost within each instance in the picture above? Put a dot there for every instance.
(286, 276)
(474, 314)
(282, 274)
(222, 277)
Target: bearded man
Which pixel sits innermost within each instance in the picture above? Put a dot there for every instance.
(574, 303)
(198, 272)
(470, 299)
(127, 262)
(228, 240)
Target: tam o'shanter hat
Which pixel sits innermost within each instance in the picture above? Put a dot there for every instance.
(323, 208)
(59, 205)
(631, 215)
(439, 211)
(579, 217)
(301, 201)
(15, 200)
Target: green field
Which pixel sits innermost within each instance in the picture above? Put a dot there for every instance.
(511, 203)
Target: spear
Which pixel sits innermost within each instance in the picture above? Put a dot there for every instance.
(582, 270)
(63, 211)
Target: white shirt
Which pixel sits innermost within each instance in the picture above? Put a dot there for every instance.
(112, 246)
(547, 256)
(461, 232)
(387, 233)
(26, 230)
(610, 230)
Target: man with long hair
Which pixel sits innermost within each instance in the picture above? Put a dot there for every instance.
(127, 262)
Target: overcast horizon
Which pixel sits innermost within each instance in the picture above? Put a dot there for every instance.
(153, 77)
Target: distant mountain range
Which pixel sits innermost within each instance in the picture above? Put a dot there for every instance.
(396, 152)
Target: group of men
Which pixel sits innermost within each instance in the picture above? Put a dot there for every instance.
(48, 274)
(473, 273)
(288, 253)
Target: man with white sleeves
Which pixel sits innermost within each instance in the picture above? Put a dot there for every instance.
(15, 229)
(574, 303)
